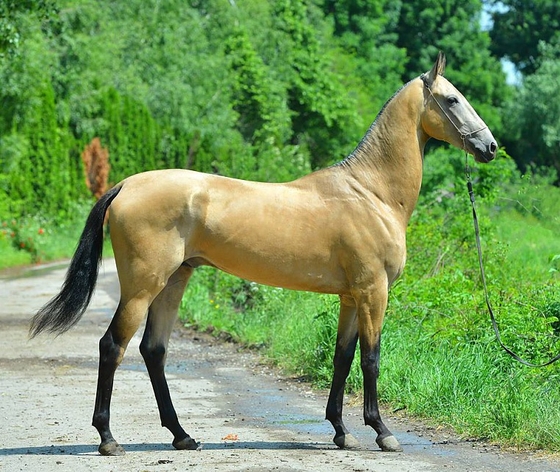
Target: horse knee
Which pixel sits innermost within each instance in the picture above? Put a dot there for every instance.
(344, 355)
(370, 367)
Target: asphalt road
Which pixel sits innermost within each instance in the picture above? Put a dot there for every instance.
(247, 416)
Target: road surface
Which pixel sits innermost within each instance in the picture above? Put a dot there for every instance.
(246, 416)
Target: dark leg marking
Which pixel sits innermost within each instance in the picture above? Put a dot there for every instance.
(372, 417)
(343, 357)
(109, 354)
(154, 357)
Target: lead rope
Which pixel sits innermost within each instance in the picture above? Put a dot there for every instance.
(477, 237)
(483, 278)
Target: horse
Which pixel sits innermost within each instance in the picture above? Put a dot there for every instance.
(339, 230)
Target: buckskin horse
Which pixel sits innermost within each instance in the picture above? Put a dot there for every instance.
(339, 230)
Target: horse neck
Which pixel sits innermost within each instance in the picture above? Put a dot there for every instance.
(388, 160)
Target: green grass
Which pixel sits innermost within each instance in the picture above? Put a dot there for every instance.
(529, 243)
(474, 388)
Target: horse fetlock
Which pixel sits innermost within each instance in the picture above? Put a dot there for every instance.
(388, 443)
(346, 441)
(187, 443)
(111, 448)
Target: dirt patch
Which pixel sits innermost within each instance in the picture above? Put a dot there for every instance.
(246, 415)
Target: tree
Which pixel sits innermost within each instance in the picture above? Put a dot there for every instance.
(325, 118)
(260, 99)
(38, 173)
(533, 123)
(519, 26)
(96, 168)
(366, 30)
(10, 17)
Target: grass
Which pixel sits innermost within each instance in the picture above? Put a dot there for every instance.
(474, 388)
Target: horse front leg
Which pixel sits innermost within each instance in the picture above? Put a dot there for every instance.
(370, 320)
(346, 340)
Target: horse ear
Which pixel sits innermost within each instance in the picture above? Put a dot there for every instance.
(437, 69)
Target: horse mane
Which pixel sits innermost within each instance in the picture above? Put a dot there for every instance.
(364, 143)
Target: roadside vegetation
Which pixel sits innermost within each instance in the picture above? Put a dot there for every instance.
(271, 90)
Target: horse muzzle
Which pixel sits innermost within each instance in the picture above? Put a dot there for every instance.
(484, 149)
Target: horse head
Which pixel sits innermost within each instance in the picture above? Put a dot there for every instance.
(450, 117)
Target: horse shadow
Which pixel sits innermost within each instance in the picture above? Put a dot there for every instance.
(90, 449)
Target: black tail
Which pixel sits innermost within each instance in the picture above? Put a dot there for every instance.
(66, 309)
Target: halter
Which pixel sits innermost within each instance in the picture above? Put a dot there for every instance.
(461, 134)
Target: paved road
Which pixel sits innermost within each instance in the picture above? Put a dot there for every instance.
(47, 389)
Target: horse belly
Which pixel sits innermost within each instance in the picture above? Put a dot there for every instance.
(277, 262)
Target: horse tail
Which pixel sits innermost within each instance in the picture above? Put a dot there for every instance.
(66, 308)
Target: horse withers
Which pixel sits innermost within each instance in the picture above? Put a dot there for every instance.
(340, 230)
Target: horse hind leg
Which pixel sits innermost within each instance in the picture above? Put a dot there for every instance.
(161, 318)
(112, 346)
(141, 281)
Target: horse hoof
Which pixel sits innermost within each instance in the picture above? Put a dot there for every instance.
(111, 448)
(389, 444)
(186, 443)
(346, 441)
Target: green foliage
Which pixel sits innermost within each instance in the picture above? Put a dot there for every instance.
(34, 151)
(534, 118)
(324, 115)
(11, 12)
(519, 28)
(367, 32)
(259, 90)
(14, 232)
(34, 239)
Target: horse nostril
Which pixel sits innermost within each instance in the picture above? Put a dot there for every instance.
(493, 147)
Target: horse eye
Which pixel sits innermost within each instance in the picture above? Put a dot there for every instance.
(452, 100)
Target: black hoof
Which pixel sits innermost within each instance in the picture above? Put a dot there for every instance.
(186, 443)
(111, 448)
(346, 441)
